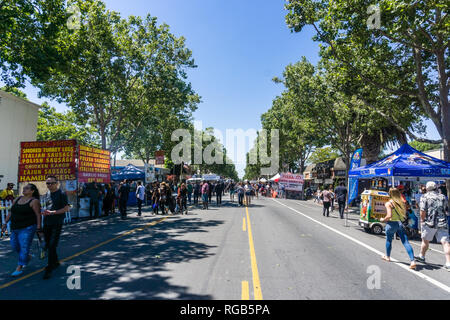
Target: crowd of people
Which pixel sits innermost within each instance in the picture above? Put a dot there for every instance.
(33, 214)
(431, 202)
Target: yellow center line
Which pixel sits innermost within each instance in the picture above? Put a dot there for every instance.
(84, 251)
(245, 291)
(244, 228)
(256, 283)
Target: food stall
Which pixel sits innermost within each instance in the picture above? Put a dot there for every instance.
(72, 164)
(406, 165)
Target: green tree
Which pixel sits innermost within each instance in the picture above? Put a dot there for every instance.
(15, 91)
(35, 39)
(322, 155)
(406, 55)
(54, 125)
(126, 69)
(423, 146)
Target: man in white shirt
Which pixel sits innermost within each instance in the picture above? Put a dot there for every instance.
(140, 195)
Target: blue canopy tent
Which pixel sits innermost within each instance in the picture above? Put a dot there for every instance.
(129, 172)
(132, 173)
(405, 163)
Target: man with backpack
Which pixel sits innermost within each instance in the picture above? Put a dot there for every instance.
(434, 221)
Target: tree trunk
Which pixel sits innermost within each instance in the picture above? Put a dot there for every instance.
(446, 140)
(371, 145)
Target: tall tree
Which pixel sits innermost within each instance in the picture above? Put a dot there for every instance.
(35, 38)
(404, 53)
(126, 68)
(53, 125)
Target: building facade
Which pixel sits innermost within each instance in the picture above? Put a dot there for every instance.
(18, 122)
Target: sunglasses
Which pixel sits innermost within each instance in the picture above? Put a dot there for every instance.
(50, 183)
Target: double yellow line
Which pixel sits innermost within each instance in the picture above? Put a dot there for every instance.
(255, 274)
(85, 251)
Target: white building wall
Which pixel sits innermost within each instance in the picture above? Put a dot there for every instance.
(18, 122)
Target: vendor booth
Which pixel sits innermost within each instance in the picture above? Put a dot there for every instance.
(406, 166)
(130, 173)
(72, 164)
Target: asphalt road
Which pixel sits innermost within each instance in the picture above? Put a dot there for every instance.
(274, 249)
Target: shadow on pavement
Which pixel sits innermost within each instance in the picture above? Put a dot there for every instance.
(133, 267)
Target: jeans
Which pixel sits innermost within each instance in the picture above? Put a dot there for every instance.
(240, 199)
(190, 197)
(219, 198)
(196, 195)
(326, 208)
(139, 203)
(21, 240)
(205, 200)
(51, 236)
(391, 228)
(93, 203)
(341, 208)
(123, 207)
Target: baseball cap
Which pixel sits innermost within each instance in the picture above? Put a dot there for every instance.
(431, 185)
(400, 187)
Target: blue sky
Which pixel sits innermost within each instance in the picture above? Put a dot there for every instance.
(238, 45)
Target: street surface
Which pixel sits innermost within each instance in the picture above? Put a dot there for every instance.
(274, 249)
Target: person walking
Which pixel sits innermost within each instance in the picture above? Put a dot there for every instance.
(108, 200)
(341, 197)
(140, 196)
(326, 200)
(197, 192)
(124, 193)
(240, 193)
(93, 194)
(434, 221)
(190, 189)
(155, 199)
(332, 198)
(232, 189)
(396, 213)
(205, 194)
(219, 190)
(57, 205)
(25, 217)
(182, 198)
(211, 188)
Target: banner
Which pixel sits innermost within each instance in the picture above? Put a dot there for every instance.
(356, 159)
(94, 165)
(149, 173)
(291, 181)
(159, 157)
(39, 159)
(353, 182)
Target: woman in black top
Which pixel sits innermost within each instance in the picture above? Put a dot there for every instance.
(25, 219)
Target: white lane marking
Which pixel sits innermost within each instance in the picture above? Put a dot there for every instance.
(395, 261)
(356, 224)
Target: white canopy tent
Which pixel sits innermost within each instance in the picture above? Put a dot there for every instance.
(275, 177)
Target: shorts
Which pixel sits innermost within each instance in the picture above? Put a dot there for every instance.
(429, 233)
